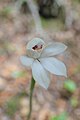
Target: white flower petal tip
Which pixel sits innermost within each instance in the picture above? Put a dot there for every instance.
(42, 85)
(54, 66)
(26, 61)
(53, 49)
(40, 75)
(66, 74)
(33, 42)
(65, 46)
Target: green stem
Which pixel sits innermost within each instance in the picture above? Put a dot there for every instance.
(31, 94)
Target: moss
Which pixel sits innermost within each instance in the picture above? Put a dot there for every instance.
(5, 12)
(12, 106)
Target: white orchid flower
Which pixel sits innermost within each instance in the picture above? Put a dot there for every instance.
(42, 61)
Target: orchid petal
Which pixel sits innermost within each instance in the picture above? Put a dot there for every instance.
(26, 61)
(40, 74)
(34, 42)
(33, 54)
(54, 66)
(53, 49)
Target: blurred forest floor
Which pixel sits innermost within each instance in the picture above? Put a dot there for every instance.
(61, 97)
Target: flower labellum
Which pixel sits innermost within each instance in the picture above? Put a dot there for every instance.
(42, 61)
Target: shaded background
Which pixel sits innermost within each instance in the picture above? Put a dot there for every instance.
(61, 22)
